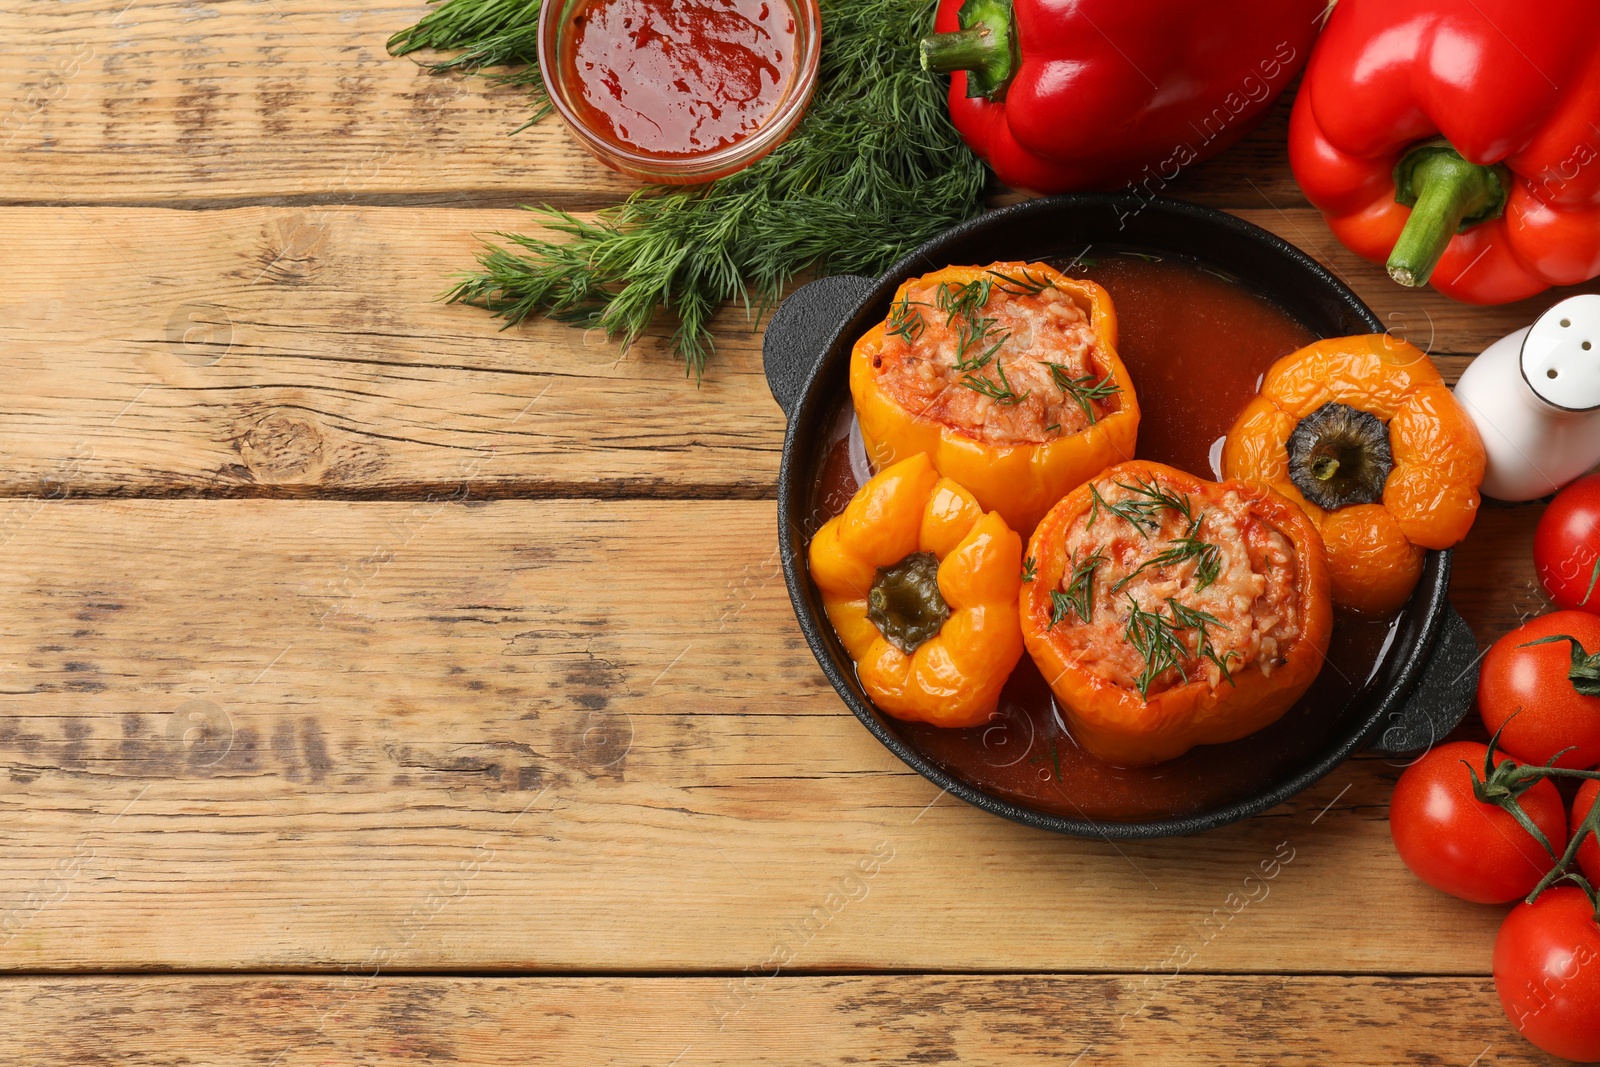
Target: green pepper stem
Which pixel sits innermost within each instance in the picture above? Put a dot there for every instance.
(943, 53)
(985, 47)
(1449, 195)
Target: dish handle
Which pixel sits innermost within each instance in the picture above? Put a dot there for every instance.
(1443, 695)
(799, 331)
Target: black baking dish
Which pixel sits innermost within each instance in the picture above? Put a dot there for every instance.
(1426, 678)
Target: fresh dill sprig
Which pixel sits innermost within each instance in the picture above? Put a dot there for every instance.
(1079, 596)
(1027, 285)
(1155, 637)
(1154, 499)
(905, 321)
(1000, 392)
(1189, 618)
(484, 34)
(1084, 391)
(964, 301)
(1060, 605)
(1143, 510)
(874, 169)
(1207, 557)
(970, 335)
(1030, 569)
(1098, 503)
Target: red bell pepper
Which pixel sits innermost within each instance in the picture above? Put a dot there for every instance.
(1060, 95)
(1458, 141)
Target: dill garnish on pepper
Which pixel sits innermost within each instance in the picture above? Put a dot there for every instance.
(959, 368)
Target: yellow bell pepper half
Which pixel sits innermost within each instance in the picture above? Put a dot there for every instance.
(867, 556)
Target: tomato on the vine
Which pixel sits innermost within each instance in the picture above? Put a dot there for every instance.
(1589, 851)
(1566, 546)
(1547, 973)
(1538, 690)
(1462, 845)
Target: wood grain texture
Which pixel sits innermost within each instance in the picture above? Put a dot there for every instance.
(1181, 1021)
(427, 728)
(302, 352)
(207, 104)
(574, 736)
(171, 101)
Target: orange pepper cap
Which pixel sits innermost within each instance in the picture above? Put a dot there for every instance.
(1431, 496)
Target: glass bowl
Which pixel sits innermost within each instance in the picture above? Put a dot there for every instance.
(565, 91)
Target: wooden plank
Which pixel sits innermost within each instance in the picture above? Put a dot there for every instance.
(167, 101)
(567, 736)
(301, 351)
(969, 1019)
(158, 101)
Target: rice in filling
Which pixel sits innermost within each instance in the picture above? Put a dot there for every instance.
(928, 368)
(1245, 583)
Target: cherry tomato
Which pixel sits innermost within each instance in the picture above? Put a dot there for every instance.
(1455, 842)
(1533, 683)
(1589, 851)
(1566, 546)
(1547, 972)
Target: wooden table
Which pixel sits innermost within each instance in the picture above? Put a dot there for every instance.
(377, 687)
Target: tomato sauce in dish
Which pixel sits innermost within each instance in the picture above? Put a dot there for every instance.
(1170, 313)
(675, 79)
(1170, 317)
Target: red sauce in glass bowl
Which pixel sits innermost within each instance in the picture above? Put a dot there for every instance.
(680, 77)
(679, 90)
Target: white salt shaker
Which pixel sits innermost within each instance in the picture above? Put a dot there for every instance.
(1535, 397)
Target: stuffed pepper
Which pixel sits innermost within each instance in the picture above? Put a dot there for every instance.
(921, 587)
(1168, 612)
(1007, 376)
(1362, 433)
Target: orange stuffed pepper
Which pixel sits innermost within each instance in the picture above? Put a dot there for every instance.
(1362, 433)
(1007, 376)
(1169, 612)
(921, 587)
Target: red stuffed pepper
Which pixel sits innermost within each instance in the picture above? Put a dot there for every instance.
(1059, 95)
(1456, 140)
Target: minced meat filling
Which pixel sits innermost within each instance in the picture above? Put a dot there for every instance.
(1178, 588)
(1000, 365)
